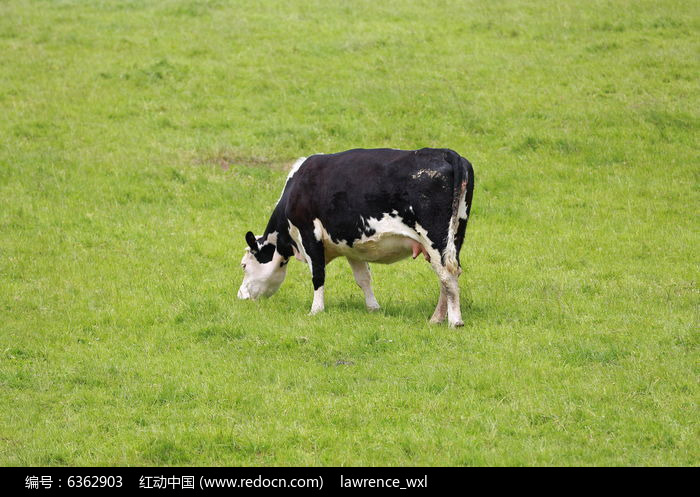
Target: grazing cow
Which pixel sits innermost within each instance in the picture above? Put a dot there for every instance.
(377, 205)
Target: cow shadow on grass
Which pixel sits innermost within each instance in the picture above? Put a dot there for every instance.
(409, 311)
(414, 312)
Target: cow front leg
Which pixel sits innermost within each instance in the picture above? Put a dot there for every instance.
(363, 278)
(313, 252)
(318, 303)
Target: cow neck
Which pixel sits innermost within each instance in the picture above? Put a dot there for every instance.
(278, 223)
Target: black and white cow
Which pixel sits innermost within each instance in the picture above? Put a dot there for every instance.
(377, 205)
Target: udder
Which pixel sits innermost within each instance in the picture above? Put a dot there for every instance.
(385, 249)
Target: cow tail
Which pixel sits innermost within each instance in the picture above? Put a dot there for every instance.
(459, 190)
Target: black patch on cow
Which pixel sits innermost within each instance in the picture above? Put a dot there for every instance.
(264, 255)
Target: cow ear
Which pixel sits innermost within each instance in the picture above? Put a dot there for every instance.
(252, 242)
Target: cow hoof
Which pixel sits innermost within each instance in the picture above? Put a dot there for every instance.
(313, 312)
(456, 324)
(373, 308)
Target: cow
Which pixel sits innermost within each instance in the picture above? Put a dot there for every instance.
(367, 205)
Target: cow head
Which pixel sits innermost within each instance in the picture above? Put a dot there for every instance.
(263, 267)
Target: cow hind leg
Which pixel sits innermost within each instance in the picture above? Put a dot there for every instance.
(363, 277)
(450, 290)
(441, 309)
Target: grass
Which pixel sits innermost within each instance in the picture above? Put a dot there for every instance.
(140, 140)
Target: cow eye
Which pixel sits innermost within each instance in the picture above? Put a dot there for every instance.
(243, 266)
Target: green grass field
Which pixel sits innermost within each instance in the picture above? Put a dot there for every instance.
(140, 140)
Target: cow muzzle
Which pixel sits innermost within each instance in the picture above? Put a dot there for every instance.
(243, 293)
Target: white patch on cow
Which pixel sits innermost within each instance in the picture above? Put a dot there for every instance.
(295, 167)
(462, 212)
(294, 232)
(429, 172)
(272, 238)
(318, 304)
(296, 236)
(318, 229)
(428, 244)
(261, 280)
(391, 241)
